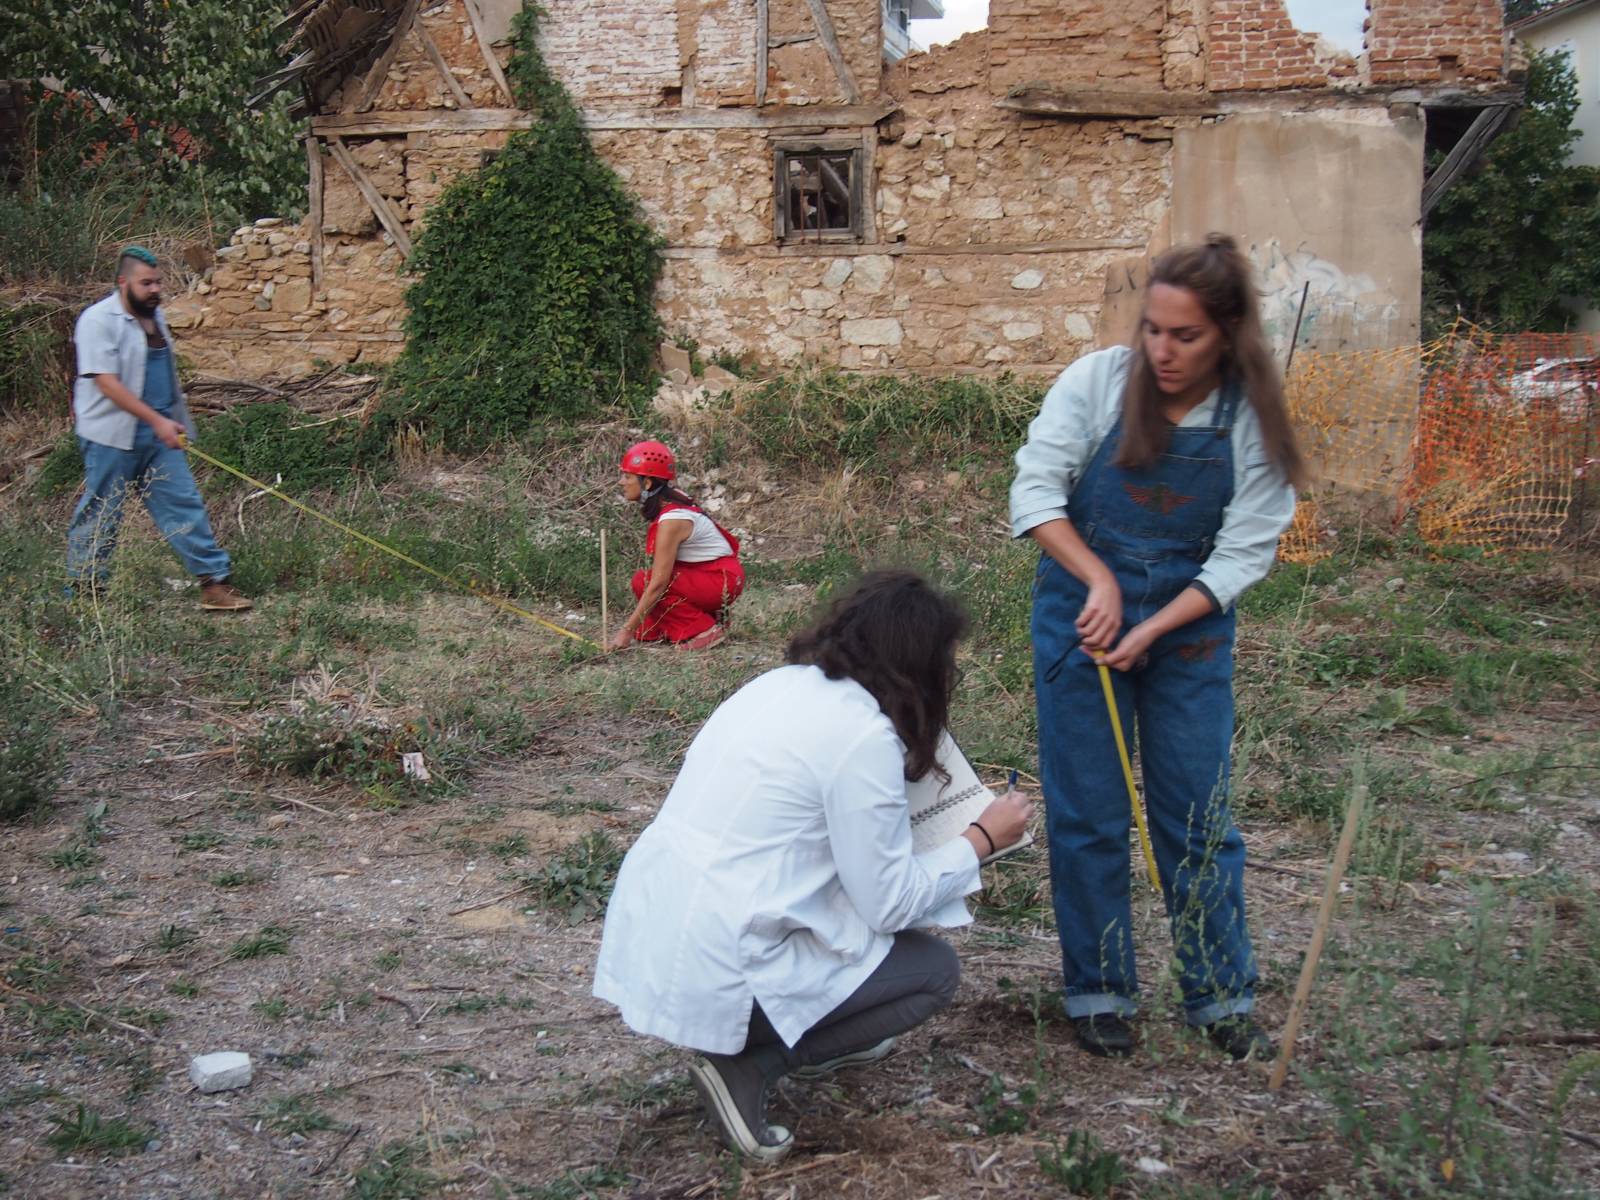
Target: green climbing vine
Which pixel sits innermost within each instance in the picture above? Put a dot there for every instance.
(534, 281)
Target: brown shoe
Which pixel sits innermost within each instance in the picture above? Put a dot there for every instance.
(218, 595)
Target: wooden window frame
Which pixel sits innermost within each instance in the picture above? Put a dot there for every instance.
(787, 150)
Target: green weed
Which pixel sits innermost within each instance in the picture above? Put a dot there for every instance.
(1081, 1166)
(172, 937)
(201, 839)
(271, 939)
(85, 1131)
(396, 1172)
(575, 1185)
(577, 882)
(1000, 1110)
(294, 1114)
(72, 858)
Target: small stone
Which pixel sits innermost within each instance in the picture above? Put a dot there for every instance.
(1393, 585)
(269, 222)
(221, 1071)
(675, 358)
(1151, 1166)
(278, 820)
(1027, 281)
(718, 380)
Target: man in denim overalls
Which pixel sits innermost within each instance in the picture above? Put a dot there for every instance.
(131, 421)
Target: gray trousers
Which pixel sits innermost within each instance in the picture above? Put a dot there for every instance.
(916, 980)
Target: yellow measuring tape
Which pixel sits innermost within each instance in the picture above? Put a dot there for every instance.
(1127, 774)
(471, 588)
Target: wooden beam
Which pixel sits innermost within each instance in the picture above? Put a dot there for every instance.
(380, 69)
(385, 214)
(1090, 104)
(1484, 129)
(830, 43)
(314, 195)
(489, 60)
(789, 39)
(439, 65)
(762, 45)
(847, 247)
(773, 117)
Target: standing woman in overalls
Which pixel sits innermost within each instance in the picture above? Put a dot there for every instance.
(1156, 480)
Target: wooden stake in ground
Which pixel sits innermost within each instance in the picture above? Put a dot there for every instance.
(1330, 894)
(605, 596)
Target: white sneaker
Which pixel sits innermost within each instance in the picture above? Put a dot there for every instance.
(762, 1143)
(871, 1054)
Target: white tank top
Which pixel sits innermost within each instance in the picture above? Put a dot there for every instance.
(704, 542)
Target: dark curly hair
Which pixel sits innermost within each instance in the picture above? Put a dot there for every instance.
(894, 634)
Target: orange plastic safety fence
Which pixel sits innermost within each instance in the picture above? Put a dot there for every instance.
(1488, 440)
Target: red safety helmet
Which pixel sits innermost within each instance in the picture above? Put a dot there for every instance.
(649, 458)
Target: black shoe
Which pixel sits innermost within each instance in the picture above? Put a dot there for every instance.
(734, 1091)
(1106, 1034)
(1239, 1037)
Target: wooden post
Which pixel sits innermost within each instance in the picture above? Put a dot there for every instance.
(605, 595)
(386, 215)
(380, 69)
(830, 43)
(314, 198)
(1330, 895)
(439, 65)
(763, 44)
(489, 60)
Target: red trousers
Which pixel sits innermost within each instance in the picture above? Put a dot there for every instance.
(697, 598)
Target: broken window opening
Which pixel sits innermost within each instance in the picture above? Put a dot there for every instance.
(819, 193)
(1340, 23)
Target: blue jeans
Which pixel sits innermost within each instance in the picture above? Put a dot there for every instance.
(1179, 709)
(161, 476)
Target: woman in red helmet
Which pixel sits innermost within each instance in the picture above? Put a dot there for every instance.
(694, 572)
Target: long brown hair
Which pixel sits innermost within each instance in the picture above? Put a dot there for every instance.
(894, 634)
(1220, 279)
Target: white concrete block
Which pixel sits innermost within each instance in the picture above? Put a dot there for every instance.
(220, 1072)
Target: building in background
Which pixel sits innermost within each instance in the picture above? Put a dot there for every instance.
(897, 18)
(990, 204)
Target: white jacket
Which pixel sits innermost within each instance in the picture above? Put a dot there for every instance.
(778, 869)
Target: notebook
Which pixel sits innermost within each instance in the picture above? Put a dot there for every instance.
(941, 811)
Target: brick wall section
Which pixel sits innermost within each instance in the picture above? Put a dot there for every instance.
(1254, 46)
(1435, 41)
(1115, 44)
(614, 53)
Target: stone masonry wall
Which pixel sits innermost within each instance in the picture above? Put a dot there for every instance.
(1435, 41)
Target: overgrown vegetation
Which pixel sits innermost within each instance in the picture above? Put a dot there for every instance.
(30, 757)
(1513, 240)
(535, 281)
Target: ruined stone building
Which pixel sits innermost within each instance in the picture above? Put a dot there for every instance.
(986, 205)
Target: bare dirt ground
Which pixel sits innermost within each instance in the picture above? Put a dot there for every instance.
(419, 1005)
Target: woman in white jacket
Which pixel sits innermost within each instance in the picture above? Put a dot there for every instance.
(767, 917)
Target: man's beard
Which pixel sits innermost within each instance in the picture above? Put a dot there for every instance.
(142, 308)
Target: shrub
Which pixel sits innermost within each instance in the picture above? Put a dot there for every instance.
(271, 439)
(535, 283)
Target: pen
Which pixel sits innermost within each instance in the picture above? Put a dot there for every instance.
(1011, 784)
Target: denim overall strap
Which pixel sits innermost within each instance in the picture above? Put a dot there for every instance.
(160, 391)
(1153, 528)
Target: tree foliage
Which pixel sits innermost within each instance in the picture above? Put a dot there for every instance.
(1510, 242)
(167, 79)
(535, 284)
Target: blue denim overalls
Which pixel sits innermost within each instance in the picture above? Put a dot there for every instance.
(169, 492)
(1153, 528)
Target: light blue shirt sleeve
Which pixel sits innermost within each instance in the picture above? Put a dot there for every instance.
(1261, 509)
(1077, 413)
(96, 339)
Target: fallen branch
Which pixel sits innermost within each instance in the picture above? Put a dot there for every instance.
(1433, 1044)
(334, 1157)
(302, 804)
(456, 912)
(1500, 1101)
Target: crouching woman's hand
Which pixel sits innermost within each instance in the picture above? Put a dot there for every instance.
(1002, 824)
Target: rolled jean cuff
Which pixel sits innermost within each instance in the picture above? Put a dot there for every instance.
(1218, 1010)
(1094, 1004)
